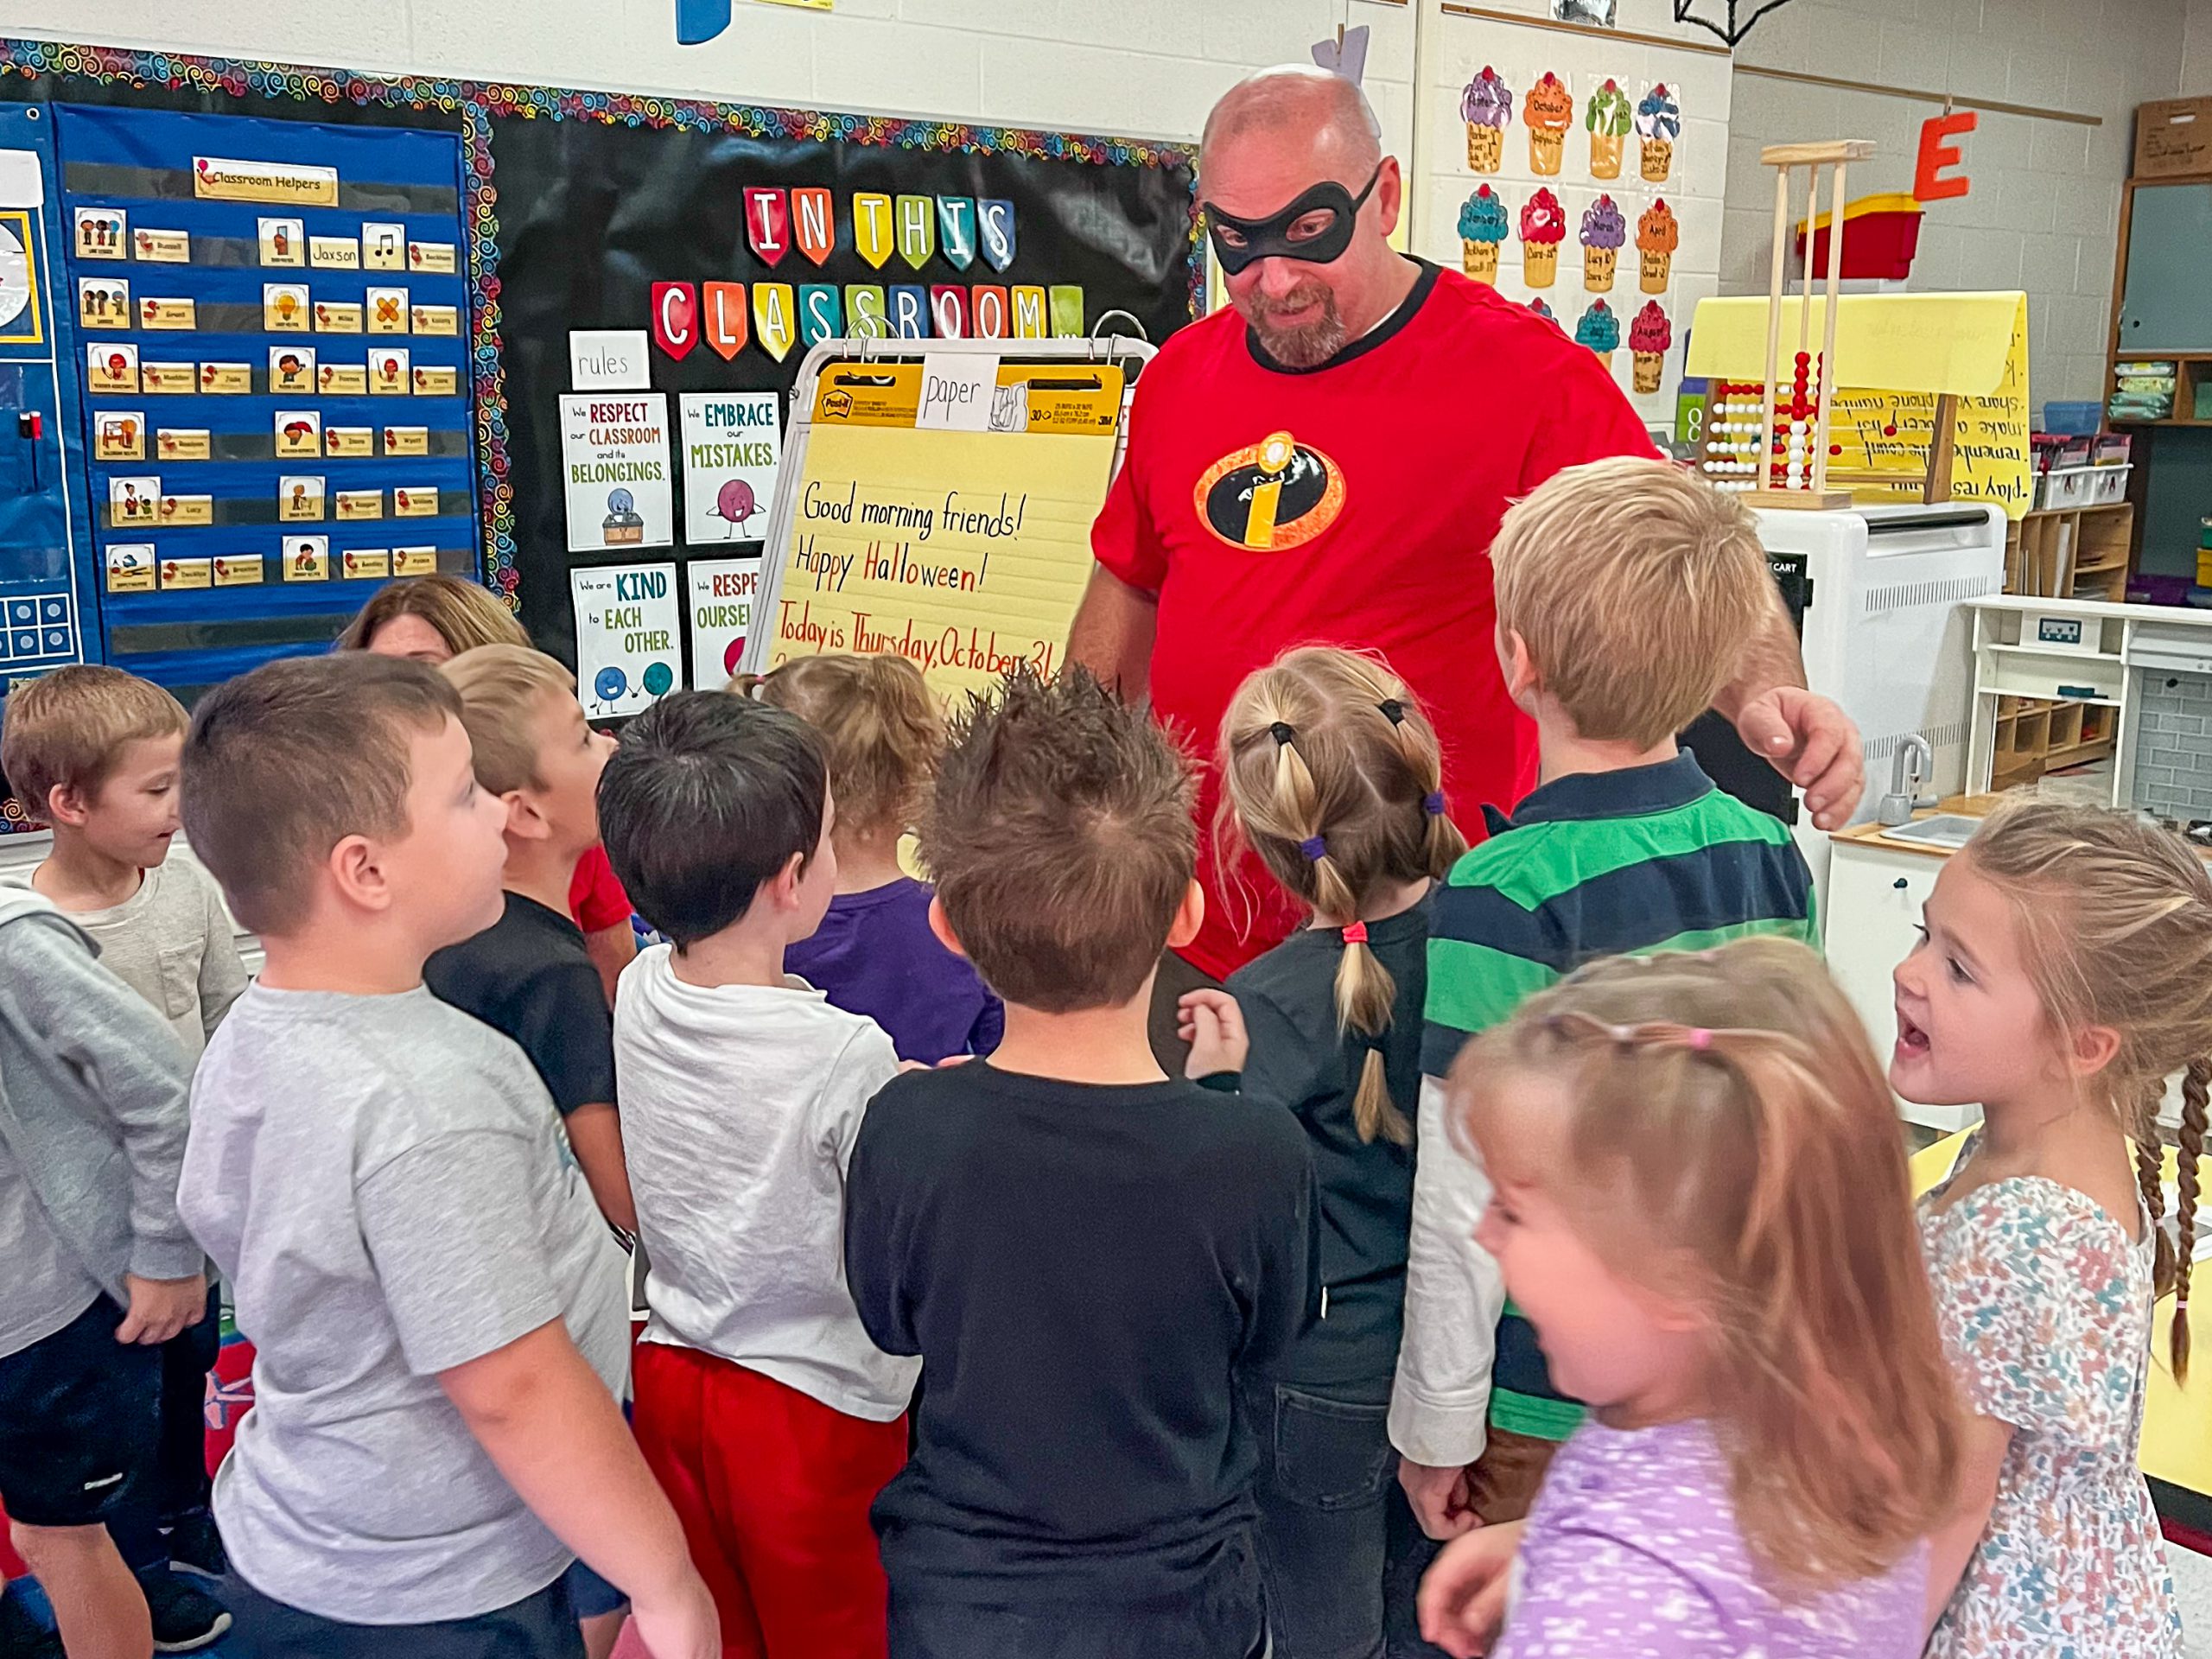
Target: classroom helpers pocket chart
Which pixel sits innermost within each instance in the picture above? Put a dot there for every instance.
(273, 320)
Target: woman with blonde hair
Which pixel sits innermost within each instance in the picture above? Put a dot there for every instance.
(432, 619)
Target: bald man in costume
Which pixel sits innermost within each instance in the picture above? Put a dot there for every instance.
(1327, 461)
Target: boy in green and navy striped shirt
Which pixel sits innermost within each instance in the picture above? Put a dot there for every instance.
(1625, 592)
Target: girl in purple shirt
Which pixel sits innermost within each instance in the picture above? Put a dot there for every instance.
(1700, 1203)
(875, 952)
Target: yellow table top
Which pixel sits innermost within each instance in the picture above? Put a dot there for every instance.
(2177, 1419)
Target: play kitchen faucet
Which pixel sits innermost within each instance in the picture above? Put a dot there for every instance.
(1910, 767)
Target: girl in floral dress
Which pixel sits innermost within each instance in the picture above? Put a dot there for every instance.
(2065, 972)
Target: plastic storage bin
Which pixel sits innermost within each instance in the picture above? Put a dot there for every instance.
(2077, 419)
(2082, 486)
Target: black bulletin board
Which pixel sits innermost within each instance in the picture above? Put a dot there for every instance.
(591, 216)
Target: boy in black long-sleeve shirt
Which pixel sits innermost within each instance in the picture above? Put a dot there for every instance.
(1084, 1252)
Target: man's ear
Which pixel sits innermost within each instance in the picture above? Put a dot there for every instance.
(356, 869)
(1389, 194)
(67, 803)
(1189, 917)
(941, 924)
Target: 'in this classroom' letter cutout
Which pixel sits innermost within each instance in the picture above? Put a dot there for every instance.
(1029, 314)
(917, 230)
(987, 305)
(864, 305)
(910, 311)
(995, 221)
(820, 317)
(956, 219)
(768, 222)
(872, 232)
(771, 317)
(816, 220)
(726, 325)
(949, 310)
(676, 319)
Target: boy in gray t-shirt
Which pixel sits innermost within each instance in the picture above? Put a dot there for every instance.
(93, 751)
(437, 1310)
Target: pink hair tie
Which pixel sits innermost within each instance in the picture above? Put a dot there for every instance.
(1355, 934)
(1700, 1039)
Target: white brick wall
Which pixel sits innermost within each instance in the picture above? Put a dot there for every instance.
(1141, 68)
(2044, 210)
(2196, 50)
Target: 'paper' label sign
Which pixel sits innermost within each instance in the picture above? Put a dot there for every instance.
(957, 391)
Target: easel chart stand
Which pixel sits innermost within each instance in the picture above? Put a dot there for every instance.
(965, 550)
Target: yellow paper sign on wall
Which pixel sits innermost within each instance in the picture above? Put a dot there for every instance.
(965, 552)
(1892, 431)
(1896, 355)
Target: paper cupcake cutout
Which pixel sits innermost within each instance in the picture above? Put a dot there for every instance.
(1601, 330)
(1544, 311)
(1607, 118)
(1657, 236)
(1487, 108)
(1543, 227)
(1604, 232)
(1549, 111)
(1658, 125)
(1482, 228)
(1649, 337)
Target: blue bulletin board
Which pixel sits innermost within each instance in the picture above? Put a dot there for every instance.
(272, 325)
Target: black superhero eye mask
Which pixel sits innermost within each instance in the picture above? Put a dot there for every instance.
(1316, 227)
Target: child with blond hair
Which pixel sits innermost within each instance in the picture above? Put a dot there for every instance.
(2064, 972)
(1330, 775)
(1626, 592)
(874, 954)
(93, 752)
(1699, 1202)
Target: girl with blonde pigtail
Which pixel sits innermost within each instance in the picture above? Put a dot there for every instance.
(1331, 775)
(2065, 973)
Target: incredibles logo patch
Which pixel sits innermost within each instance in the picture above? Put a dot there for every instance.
(1273, 494)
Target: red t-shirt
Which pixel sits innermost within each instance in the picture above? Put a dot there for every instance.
(595, 897)
(1410, 444)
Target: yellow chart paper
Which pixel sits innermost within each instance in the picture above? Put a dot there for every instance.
(1896, 354)
(965, 552)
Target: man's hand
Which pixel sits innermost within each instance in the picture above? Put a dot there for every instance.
(1462, 1600)
(1213, 1025)
(1438, 1497)
(1811, 741)
(160, 1308)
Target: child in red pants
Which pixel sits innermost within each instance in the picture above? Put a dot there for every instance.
(769, 1417)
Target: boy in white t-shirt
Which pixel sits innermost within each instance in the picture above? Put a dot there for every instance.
(769, 1416)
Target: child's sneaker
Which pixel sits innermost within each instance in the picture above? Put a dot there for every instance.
(196, 1548)
(22, 1637)
(185, 1619)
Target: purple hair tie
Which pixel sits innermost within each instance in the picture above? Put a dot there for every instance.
(1434, 804)
(1315, 848)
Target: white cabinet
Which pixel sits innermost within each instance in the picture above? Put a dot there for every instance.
(1875, 895)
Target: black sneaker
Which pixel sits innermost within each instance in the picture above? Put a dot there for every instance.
(196, 1548)
(22, 1637)
(185, 1619)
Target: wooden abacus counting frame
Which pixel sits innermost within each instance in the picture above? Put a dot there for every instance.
(1836, 155)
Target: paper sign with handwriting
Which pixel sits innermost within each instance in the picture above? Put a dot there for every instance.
(965, 552)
